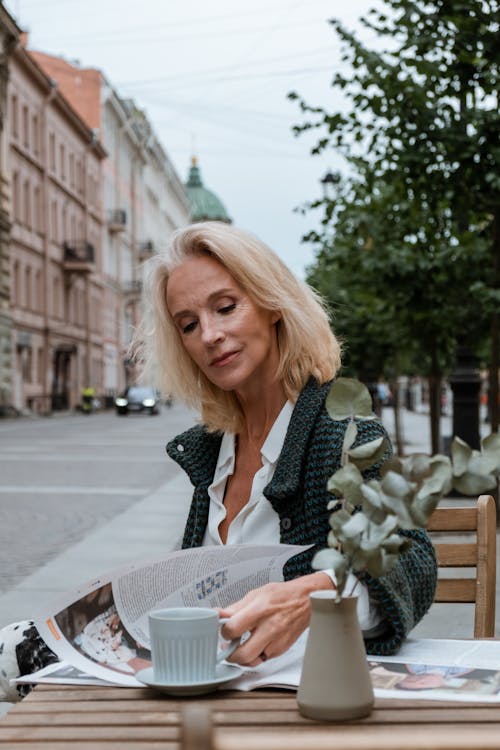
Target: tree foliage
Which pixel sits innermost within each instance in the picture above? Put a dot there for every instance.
(409, 247)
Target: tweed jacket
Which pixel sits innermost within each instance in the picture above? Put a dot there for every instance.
(298, 493)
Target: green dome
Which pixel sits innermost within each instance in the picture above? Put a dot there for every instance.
(205, 205)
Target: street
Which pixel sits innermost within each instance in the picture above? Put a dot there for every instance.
(65, 476)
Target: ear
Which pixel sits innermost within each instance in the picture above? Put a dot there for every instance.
(275, 316)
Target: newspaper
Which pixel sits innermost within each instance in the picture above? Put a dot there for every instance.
(101, 628)
(424, 669)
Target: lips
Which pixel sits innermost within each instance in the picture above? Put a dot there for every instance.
(224, 359)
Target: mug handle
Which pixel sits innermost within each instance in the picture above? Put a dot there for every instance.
(233, 645)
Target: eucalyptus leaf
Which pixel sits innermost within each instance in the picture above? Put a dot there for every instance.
(479, 464)
(346, 482)
(417, 467)
(491, 451)
(338, 519)
(349, 437)
(396, 485)
(423, 506)
(474, 484)
(374, 508)
(328, 558)
(368, 454)
(356, 525)
(377, 533)
(348, 398)
(461, 454)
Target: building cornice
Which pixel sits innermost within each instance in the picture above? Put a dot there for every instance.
(48, 86)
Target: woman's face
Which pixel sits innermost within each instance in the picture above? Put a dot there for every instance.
(226, 334)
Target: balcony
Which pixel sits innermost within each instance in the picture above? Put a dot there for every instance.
(79, 257)
(146, 250)
(117, 221)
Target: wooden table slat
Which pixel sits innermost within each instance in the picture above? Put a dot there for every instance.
(93, 718)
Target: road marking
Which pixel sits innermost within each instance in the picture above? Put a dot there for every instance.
(72, 490)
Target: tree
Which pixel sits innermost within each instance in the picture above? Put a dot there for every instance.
(422, 144)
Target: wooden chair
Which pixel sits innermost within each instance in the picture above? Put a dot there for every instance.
(479, 554)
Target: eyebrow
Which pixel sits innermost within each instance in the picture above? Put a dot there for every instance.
(211, 297)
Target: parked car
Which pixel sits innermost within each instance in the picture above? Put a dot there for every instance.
(138, 398)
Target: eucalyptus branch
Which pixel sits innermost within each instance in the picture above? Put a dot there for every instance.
(367, 515)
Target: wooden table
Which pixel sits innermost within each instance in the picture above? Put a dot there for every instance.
(108, 718)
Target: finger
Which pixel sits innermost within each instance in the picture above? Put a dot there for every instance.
(249, 652)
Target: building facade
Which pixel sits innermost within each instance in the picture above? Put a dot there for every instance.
(9, 34)
(143, 202)
(56, 288)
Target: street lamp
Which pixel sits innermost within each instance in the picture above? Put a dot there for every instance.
(329, 183)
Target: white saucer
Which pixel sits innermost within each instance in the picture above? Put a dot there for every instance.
(223, 673)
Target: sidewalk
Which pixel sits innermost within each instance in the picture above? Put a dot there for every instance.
(148, 529)
(416, 428)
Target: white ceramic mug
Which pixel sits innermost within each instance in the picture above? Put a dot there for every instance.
(184, 644)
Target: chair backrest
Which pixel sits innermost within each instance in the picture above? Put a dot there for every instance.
(479, 554)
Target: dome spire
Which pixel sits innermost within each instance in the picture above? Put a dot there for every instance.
(205, 205)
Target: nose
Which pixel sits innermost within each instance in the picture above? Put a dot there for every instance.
(211, 331)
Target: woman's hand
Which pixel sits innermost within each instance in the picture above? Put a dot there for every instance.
(275, 614)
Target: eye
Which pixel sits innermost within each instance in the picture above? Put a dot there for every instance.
(226, 309)
(189, 327)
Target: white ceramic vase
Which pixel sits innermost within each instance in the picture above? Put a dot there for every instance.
(335, 683)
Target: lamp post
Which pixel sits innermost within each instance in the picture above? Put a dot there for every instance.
(329, 183)
(465, 382)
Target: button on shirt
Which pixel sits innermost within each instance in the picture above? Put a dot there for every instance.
(257, 521)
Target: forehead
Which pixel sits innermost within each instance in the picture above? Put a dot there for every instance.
(195, 280)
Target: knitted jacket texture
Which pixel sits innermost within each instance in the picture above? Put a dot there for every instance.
(298, 493)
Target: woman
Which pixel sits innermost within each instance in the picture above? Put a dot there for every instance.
(236, 336)
(231, 332)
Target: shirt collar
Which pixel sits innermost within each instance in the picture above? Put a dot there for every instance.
(276, 437)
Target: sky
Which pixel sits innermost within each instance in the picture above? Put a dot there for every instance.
(213, 79)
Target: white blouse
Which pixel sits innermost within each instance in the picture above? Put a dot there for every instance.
(257, 521)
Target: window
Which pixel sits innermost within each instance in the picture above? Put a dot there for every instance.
(35, 135)
(52, 151)
(71, 171)
(28, 292)
(56, 299)
(15, 196)
(37, 210)
(27, 203)
(39, 366)
(65, 224)
(53, 221)
(14, 115)
(27, 363)
(62, 156)
(15, 284)
(26, 127)
(38, 292)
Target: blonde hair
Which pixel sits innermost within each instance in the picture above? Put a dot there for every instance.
(307, 345)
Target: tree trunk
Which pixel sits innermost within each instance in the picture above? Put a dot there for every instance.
(495, 354)
(398, 432)
(435, 401)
